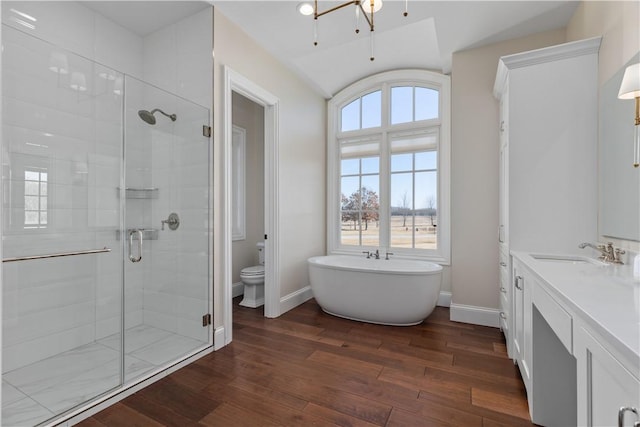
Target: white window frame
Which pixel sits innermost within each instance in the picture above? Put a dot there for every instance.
(238, 160)
(385, 81)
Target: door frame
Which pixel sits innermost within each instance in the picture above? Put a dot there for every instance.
(235, 82)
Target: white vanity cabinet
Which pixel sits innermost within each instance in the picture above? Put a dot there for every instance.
(548, 161)
(577, 340)
(605, 385)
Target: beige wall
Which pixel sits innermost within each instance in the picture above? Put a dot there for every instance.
(250, 116)
(618, 22)
(301, 172)
(474, 170)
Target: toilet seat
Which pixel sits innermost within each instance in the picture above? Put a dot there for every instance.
(256, 270)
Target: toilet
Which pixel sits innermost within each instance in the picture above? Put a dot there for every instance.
(253, 280)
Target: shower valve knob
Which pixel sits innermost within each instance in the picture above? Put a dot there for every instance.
(173, 221)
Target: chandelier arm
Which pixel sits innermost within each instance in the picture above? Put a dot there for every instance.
(366, 16)
(333, 9)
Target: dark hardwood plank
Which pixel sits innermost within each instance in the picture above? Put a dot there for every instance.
(120, 415)
(309, 368)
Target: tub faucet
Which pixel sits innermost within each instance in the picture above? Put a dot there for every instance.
(367, 253)
(387, 255)
(607, 252)
(377, 254)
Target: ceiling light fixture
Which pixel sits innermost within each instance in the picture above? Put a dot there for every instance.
(366, 7)
(305, 9)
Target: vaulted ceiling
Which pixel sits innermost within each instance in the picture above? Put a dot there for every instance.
(426, 38)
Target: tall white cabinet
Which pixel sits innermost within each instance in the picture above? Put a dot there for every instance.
(548, 168)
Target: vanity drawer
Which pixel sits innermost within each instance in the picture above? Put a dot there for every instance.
(557, 317)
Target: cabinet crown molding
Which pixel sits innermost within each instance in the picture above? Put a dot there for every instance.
(540, 56)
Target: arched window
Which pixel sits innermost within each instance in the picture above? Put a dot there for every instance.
(388, 166)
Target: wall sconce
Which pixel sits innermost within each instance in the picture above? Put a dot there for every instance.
(630, 89)
(58, 63)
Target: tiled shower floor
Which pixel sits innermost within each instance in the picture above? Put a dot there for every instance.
(35, 393)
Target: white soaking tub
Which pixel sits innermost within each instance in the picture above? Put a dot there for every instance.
(389, 292)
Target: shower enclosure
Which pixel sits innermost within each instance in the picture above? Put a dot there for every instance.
(106, 230)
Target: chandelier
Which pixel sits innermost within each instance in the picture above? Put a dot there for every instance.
(365, 8)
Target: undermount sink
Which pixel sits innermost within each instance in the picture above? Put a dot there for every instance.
(566, 259)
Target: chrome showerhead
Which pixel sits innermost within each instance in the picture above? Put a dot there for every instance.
(148, 116)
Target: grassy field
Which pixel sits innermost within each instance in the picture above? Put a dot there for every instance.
(401, 236)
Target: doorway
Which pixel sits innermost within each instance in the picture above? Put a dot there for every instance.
(235, 83)
(247, 198)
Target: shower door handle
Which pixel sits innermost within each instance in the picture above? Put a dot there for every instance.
(139, 234)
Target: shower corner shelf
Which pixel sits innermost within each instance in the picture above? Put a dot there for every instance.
(147, 233)
(140, 193)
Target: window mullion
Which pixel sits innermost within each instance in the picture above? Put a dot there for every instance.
(413, 198)
(385, 192)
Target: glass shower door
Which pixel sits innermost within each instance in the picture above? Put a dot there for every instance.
(62, 266)
(167, 230)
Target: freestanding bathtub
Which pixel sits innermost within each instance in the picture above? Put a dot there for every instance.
(394, 292)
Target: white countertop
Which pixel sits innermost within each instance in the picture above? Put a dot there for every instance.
(605, 296)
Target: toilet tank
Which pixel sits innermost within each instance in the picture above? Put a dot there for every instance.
(260, 246)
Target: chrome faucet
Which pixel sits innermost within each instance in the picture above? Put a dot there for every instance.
(607, 252)
(377, 254)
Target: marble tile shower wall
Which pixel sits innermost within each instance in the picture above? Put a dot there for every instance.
(63, 303)
(61, 136)
(178, 59)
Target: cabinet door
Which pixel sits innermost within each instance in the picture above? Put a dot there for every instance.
(604, 384)
(503, 210)
(505, 298)
(522, 323)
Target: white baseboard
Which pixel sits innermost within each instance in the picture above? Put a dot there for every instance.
(237, 289)
(475, 315)
(444, 299)
(294, 299)
(219, 338)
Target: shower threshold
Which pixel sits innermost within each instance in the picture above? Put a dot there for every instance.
(35, 393)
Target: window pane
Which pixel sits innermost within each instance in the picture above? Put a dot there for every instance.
(31, 203)
(427, 210)
(427, 160)
(371, 165)
(31, 188)
(372, 185)
(349, 187)
(370, 229)
(350, 167)
(350, 229)
(401, 162)
(372, 110)
(43, 177)
(351, 116)
(401, 105)
(401, 210)
(43, 188)
(30, 217)
(426, 103)
(426, 190)
(31, 176)
(43, 217)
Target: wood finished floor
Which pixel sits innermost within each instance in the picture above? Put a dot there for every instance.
(308, 368)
